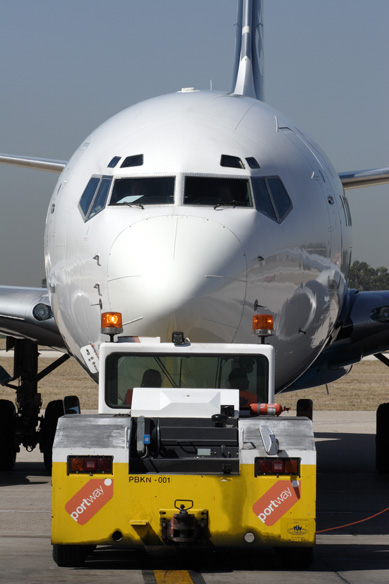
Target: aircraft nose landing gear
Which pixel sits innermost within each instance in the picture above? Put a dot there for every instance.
(23, 425)
(7, 435)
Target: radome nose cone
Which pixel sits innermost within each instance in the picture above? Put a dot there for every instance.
(178, 273)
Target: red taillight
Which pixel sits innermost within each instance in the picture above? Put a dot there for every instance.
(75, 464)
(90, 464)
(263, 466)
(105, 464)
(277, 466)
(292, 466)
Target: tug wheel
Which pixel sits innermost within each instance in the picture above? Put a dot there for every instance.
(54, 411)
(7, 435)
(71, 556)
(293, 558)
(382, 439)
(305, 408)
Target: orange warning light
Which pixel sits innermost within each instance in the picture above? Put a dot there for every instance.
(263, 322)
(111, 320)
(111, 323)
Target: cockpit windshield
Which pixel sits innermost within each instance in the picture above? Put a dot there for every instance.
(156, 190)
(217, 191)
(247, 373)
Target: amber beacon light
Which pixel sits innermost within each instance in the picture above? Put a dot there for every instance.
(263, 325)
(111, 323)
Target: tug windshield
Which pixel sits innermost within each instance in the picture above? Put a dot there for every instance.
(124, 371)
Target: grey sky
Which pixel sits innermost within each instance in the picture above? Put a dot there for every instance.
(68, 66)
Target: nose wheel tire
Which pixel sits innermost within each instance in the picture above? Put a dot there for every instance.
(382, 439)
(7, 435)
(295, 558)
(71, 556)
(54, 410)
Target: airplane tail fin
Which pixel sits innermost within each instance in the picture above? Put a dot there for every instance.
(248, 65)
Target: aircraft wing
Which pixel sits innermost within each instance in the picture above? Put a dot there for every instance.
(364, 178)
(26, 313)
(20, 316)
(37, 163)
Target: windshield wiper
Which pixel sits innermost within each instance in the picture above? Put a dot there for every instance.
(228, 204)
(132, 204)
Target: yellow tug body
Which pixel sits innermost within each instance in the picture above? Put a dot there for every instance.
(183, 466)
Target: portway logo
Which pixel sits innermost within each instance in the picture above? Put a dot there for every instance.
(277, 501)
(89, 500)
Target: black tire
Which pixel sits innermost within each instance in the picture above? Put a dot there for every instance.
(71, 556)
(7, 435)
(54, 411)
(382, 439)
(295, 558)
(71, 404)
(305, 408)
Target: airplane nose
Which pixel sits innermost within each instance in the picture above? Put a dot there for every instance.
(182, 273)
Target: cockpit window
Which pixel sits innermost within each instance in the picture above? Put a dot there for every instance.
(281, 198)
(262, 198)
(271, 198)
(135, 160)
(88, 194)
(252, 162)
(143, 191)
(95, 196)
(231, 161)
(217, 191)
(101, 196)
(114, 162)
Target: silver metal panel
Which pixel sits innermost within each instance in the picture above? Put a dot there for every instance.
(269, 440)
(291, 433)
(92, 432)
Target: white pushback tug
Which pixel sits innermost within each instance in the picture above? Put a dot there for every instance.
(187, 449)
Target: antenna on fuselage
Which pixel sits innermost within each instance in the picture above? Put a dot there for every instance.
(248, 64)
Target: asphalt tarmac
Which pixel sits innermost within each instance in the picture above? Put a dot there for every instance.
(349, 491)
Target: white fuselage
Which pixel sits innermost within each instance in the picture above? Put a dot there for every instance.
(201, 268)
